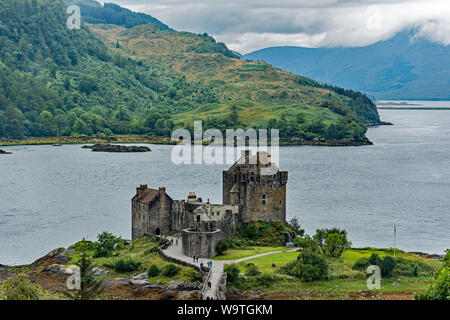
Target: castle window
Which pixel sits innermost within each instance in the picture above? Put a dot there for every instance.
(263, 201)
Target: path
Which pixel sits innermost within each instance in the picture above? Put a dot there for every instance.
(217, 270)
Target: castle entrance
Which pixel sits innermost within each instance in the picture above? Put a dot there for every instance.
(158, 231)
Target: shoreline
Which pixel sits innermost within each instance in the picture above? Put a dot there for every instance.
(167, 141)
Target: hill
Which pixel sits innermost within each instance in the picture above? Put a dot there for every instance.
(107, 79)
(404, 67)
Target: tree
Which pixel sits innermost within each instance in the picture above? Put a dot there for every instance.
(14, 123)
(106, 243)
(232, 271)
(90, 288)
(234, 116)
(333, 241)
(296, 227)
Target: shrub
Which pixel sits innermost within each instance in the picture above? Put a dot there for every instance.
(439, 290)
(310, 266)
(387, 266)
(221, 247)
(361, 264)
(106, 243)
(195, 276)
(125, 265)
(232, 271)
(153, 271)
(266, 279)
(18, 287)
(252, 270)
(170, 270)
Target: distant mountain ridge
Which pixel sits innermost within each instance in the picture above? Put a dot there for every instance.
(403, 67)
(110, 13)
(106, 79)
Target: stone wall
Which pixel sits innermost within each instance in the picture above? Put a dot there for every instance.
(201, 240)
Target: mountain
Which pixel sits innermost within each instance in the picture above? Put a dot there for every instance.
(404, 67)
(146, 79)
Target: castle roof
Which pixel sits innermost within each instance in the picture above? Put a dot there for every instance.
(147, 195)
(260, 163)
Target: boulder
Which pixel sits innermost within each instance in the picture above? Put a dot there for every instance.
(59, 269)
(99, 272)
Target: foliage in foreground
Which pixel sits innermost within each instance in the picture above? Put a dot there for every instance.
(441, 289)
(19, 287)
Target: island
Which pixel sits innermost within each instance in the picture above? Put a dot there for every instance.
(4, 152)
(116, 148)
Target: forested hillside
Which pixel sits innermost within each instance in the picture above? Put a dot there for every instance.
(108, 79)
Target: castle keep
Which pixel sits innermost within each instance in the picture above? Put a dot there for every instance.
(253, 189)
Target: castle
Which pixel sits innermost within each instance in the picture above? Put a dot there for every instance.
(253, 189)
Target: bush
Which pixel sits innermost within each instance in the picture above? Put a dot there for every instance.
(153, 271)
(252, 270)
(309, 266)
(221, 247)
(106, 244)
(361, 264)
(125, 265)
(195, 276)
(18, 287)
(232, 271)
(439, 290)
(170, 270)
(266, 279)
(387, 266)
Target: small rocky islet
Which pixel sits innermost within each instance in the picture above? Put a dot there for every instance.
(4, 152)
(116, 148)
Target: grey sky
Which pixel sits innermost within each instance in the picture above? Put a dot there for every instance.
(248, 25)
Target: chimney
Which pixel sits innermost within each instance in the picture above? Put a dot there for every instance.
(141, 189)
(246, 154)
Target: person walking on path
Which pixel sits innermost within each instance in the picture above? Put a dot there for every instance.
(209, 285)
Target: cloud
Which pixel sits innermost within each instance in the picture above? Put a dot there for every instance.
(247, 25)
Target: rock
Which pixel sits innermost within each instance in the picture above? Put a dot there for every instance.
(4, 152)
(141, 276)
(99, 272)
(138, 283)
(58, 269)
(58, 255)
(182, 285)
(116, 148)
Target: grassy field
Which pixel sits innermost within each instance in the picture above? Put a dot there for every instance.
(235, 254)
(342, 281)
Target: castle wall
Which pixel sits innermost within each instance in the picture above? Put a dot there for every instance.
(262, 197)
(201, 240)
(139, 220)
(181, 217)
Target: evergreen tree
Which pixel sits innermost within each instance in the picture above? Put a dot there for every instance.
(90, 288)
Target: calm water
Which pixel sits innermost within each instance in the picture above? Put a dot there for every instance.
(51, 197)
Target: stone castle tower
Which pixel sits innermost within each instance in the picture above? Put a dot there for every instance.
(257, 186)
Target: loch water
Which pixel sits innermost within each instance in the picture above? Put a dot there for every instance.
(53, 196)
